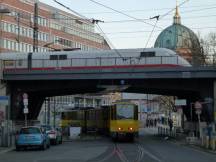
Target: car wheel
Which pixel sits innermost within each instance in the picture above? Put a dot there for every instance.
(48, 145)
(55, 141)
(18, 148)
(60, 142)
(43, 147)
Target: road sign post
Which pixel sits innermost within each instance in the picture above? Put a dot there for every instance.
(25, 110)
(198, 107)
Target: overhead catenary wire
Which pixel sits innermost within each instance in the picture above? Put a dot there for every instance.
(108, 41)
(151, 33)
(94, 22)
(148, 31)
(78, 14)
(141, 20)
(167, 13)
(146, 10)
(154, 26)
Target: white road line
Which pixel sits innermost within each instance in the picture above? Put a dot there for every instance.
(150, 154)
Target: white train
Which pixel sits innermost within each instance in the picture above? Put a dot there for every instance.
(149, 57)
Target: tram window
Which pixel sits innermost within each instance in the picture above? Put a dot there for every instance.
(53, 57)
(147, 54)
(62, 57)
(125, 111)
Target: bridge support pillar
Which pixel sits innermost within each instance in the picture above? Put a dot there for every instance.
(6, 125)
(214, 104)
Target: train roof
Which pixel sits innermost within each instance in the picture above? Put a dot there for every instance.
(97, 53)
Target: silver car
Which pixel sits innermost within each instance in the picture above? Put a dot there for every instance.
(54, 134)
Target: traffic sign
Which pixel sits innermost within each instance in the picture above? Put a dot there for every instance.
(25, 96)
(197, 105)
(25, 111)
(25, 102)
(198, 111)
(25, 99)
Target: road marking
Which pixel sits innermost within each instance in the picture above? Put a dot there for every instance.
(149, 154)
(6, 150)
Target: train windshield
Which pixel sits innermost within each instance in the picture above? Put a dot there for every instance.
(124, 111)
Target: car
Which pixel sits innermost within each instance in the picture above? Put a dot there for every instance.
(54, 134)
(32, 136)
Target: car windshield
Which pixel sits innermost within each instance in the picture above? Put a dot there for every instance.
(30, 131)
(125, 111)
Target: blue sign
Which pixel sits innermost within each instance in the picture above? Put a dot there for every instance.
(4, 97)
(4, 100)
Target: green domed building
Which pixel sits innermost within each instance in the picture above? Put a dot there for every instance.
(181, 39)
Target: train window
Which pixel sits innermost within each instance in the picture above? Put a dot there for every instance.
(147, 54)
(62, 57)
(53, 57)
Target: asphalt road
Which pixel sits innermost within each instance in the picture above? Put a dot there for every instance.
(147, 148)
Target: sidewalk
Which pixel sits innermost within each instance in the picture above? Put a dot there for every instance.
(6, 149)
(180, 139)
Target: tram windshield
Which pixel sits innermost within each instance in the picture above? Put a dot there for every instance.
(124, 111)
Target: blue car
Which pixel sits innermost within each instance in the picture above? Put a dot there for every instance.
(32, 136)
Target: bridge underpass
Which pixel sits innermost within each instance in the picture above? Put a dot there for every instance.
(189, 83)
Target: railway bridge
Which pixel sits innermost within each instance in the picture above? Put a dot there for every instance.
(191, 83)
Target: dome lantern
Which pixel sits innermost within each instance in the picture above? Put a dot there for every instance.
(177, 18)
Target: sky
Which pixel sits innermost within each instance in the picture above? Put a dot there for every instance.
(127, 23)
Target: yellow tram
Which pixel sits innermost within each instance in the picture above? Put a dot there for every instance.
(123, 120)
(119, 119)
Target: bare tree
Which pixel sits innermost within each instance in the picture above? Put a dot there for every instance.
(208, 44)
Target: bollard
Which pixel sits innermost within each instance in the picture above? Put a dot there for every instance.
(207, 142)
(159, 131)
(163, 132)
(203, 141)
(212, 143)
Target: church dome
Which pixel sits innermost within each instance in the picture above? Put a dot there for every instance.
(179, 38)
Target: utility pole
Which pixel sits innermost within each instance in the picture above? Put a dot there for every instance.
(18, 29)
(48, 112)
(35, 35)
(54, 114)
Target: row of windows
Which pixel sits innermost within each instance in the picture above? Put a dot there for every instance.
(24, 31)
(28, 32)
(73, 21)
(21, 47)
(71, 30)
(27, 16)
(71, 44)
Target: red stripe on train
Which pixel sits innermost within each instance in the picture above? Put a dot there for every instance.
(95, 67)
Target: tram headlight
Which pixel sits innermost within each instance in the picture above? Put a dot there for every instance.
(130, 128)
(119, 128)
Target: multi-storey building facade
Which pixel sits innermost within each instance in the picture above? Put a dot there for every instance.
(57, 29)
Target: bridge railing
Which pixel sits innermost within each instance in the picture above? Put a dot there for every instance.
(93, 62)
